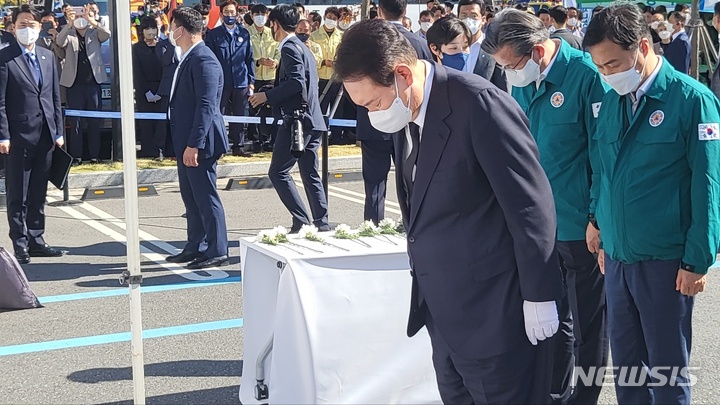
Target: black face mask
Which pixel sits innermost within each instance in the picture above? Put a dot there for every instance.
(303, 37)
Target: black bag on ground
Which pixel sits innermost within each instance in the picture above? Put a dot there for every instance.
(15, 292)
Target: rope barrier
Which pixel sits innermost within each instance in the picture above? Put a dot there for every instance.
(163, 116)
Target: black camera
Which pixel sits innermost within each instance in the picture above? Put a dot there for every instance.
(294, 124)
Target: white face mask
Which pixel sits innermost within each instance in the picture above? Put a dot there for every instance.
(654, 25)
(172, 38)
(344, 25)
(27, 36)
(425, 26)
(572, 22)
(627, 81)
(664, 34)
(259, 20)
(395, 118)
(81, 23)
(473, 25)
(551, 29)
(524, 76)
(330, 24)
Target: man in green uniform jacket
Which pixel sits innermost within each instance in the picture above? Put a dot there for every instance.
(561, 92)
(659, 146)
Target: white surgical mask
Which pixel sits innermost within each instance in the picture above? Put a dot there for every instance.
(654, 25)
(425, 26)
(473, 25)
(344, 25)
(552, 29)
(81, 23)
(572, 22)
(172, 38)
(27, 36)
(395, 118)
(664, 34)
(259, 20)
(524, 76)
(330, 24)
(627, 81)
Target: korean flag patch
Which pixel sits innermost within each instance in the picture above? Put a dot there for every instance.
(596, 109)
(709, 132)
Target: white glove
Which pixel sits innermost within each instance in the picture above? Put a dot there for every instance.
(541, 320)
(156, 98)
(150, 97)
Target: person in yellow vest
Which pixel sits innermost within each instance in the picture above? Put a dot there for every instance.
(267, 56)
(303, 31)
(328, 36)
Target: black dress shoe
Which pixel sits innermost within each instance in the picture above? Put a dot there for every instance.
(45, 251)
(208, 262)
(22, 256)
(183, 257)
(324, 228)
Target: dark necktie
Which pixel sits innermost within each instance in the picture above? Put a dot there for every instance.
(409, 163)
(34, 68)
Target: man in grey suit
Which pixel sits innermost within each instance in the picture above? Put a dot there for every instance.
(479, 215)
(82, 75)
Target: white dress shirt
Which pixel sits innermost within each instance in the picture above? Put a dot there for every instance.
(546, 72)
(175, 75)
(637, 96)
(474, 54)
(677, 34)
(290, 35)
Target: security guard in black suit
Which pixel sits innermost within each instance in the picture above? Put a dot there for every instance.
(377, 147)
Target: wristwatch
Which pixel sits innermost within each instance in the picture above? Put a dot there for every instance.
(593, 221)
(687, 267)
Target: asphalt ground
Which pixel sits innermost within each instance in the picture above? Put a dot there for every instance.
(76, 349)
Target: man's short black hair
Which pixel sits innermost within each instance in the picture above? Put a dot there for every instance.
(26, 8)
(622, 24)
(332, 10)
(300, 6)
(559, 14)
(679, 17)
(542, 11)
(449, 5)
(372, 49)
(65, 5)
(427, 13)
(189, 19)
(203, 9)
(48, 14)
(393, 10)
(480, 3)
(259, 9)
(248, 18)
(315, 17)
(285, 15)
(717, 8)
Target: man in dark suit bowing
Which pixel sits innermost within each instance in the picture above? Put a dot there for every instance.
(295, 90)
(377, 147)
(30, 126)
(479, 216)
(199, 138)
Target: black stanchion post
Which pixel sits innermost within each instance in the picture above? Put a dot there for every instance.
(325, 165)
(66, 187)
(117, 149)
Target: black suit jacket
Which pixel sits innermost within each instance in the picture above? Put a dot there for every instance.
(195, 118)
(677, 53)
(147, 70)
(24, 108)
(481, 224)
(296, 74)
(364, 130)
(487, 68)
(166, 53)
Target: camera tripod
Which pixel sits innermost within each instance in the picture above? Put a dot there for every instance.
(329, 114)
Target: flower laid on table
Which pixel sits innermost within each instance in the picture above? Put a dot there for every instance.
(268, 236)
(368, 228)
(343, 231)
(388, 226)
(277, 236)
(310, 232)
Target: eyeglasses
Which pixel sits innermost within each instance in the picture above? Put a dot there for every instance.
(518, 62)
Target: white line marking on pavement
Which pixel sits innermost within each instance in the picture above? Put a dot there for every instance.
(214, 273)
(361, 195)
(347, 198)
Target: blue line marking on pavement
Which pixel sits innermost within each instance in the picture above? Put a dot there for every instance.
(119, 337)
(125, 291)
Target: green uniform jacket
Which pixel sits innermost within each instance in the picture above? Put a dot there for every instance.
(563, 112)
(660, 173)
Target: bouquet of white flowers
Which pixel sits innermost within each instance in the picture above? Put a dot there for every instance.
(369, 229)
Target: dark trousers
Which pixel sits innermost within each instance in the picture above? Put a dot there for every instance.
(27, 171)
(167, 145)
(520, 376)
(281, 163)
(563, 363)
(84, 97)
(152, 133)
(650, 325)
(586, 298)
(234, 102)
(206, 229)
(255, 130)
(376, 158)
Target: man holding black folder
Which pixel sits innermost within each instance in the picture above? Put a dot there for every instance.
(30, 126)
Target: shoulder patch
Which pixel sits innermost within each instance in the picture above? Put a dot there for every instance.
(709, 132)
(596, 109)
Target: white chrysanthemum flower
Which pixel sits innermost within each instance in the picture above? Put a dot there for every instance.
(342, 228)
(280, 230)
(388, 223)
(308, 231)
